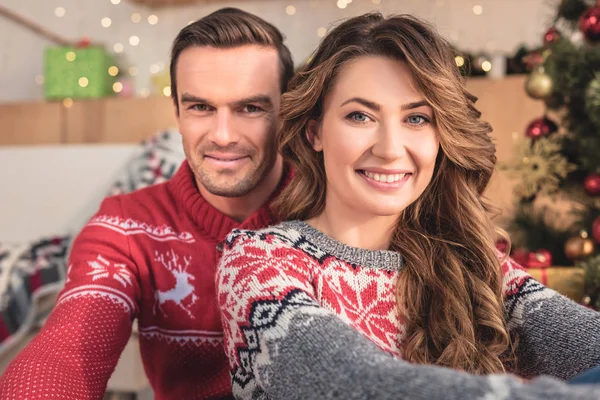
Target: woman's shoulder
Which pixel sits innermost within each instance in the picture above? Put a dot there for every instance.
(518, 283)
(274, 248)
(284, 234)
(509, 265)
(514, 275)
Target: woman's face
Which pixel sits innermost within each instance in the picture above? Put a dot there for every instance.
(378, 139)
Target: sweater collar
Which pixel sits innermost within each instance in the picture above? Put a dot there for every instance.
(207, 218)
(377, 259)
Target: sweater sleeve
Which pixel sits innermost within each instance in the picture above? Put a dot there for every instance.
(282, 345)
(75, 353)
(555, 335)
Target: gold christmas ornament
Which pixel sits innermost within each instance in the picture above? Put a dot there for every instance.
(539, 84)
(578, 247)
(540, 166)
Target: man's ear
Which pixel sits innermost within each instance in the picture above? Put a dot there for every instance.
(313, 135)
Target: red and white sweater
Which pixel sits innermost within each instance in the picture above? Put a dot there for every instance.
(149, 255)
(307, 317)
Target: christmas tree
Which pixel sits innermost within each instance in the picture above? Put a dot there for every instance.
(559, 158)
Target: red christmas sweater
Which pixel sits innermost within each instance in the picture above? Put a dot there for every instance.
(149, 255)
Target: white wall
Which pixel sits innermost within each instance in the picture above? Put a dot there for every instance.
(503, 25)
(49, 190)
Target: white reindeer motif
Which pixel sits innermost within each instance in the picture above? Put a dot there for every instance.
(183, 287)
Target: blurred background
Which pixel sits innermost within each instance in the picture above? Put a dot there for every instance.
(85, 112)
(84, 81)
(138, 34)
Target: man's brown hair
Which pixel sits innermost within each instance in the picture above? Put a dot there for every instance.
(227, 28)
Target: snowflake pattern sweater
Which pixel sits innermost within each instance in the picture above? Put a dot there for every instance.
(307, 317)
(150, 255)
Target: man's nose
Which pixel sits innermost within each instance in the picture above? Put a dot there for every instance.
(223, 132)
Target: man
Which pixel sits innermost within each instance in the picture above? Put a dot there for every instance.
(151, 254)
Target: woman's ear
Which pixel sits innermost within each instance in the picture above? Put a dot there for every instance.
(313, 135)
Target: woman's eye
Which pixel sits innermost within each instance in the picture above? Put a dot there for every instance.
(358, 117)
(417, 120)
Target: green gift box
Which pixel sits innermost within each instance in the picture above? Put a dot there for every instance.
(77, 72)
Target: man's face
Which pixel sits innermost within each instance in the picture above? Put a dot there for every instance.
(228, 105)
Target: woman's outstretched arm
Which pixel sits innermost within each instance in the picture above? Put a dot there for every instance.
(282, 345)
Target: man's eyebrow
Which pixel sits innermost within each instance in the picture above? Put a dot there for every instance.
(190, 98)
(259, 98)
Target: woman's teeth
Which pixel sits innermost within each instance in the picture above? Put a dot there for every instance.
(384, 178)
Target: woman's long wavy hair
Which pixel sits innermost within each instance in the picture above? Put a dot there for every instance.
(450, 290)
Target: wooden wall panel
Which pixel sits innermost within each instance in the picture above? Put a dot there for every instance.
(506, 106)
(132, 120)
(118, 120)
(31, 123)
(85, 121)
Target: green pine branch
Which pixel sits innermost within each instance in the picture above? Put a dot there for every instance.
(591, 267)
(572, 69)
(571, 10)
(586, 216)
(533, 230)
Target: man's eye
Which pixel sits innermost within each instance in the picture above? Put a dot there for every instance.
(199, 107)
(252, 109)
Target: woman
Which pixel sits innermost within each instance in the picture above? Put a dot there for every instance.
(388, 233)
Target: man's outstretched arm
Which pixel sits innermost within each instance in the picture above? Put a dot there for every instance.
(79, 346)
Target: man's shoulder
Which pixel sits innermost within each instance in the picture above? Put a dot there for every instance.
(141, 201)
(154, 193)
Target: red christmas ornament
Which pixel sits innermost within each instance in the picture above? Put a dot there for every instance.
(592, 184)
(533, 59)
(84, 42)
(541, 258)
(589, 24)
(596, 230)
(551, 36)
(540, 127)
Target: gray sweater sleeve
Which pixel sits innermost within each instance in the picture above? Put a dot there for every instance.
(302, 351)
(556, 336)
(282, 344)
